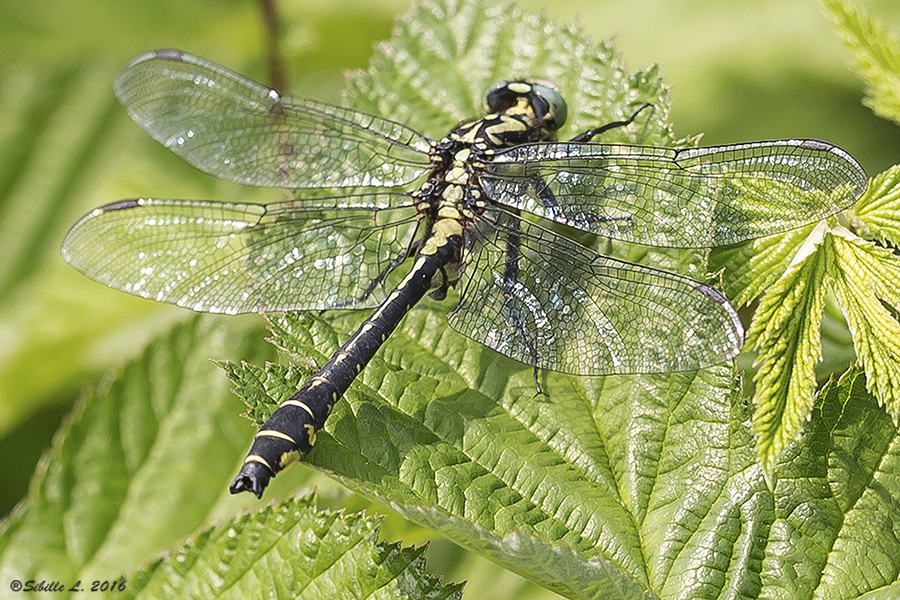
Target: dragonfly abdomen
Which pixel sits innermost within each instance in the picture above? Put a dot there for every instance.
(291, 430)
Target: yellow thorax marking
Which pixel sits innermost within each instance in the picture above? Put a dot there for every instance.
(457, 175)
(443, 229)
(468, 136)
(448, 212)
(452, 194)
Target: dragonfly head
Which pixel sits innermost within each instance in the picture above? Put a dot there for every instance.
(546, 103)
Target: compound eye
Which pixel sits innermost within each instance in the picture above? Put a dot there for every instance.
(499, 97)
(548, 105)
(557, 111)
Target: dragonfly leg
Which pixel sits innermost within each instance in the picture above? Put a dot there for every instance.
(380, 279)
(510, 277)
(538, 390)
(591, 133)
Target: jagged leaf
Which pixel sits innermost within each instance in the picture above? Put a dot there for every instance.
(867, 283)
(786, 334)
(835, 518)
(615, 487)
(141, 463)
(294, 550)
(558, 489)
(750, 268)
(877, 214)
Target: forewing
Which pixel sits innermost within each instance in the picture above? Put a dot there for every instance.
(239, 130)
(570, 309)
(236, 258)
(688, 198)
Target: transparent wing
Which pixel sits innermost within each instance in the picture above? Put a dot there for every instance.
(235, 258)
(688, 198)
(239, 130)
(546, 301)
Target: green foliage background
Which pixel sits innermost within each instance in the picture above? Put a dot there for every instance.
(739, 71)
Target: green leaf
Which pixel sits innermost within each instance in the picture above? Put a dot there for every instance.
(445, 55)
(263, 389)
(885, 593)
(867, 283)
(616, 487)
(45, 157)
(786, 330)
(67, 146)
(293, 549)
(578, 491)
(877, 55)
(877, 214)
(30, 198)
(750, 268)
(620, 487)
(146, 460)
(786, 333)
(140, 464)
(835, 518)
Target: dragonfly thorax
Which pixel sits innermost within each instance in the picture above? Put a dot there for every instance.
(521, 112)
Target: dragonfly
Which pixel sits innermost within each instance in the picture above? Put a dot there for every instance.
(372, 198)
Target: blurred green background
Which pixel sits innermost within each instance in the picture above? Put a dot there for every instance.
(740, 70)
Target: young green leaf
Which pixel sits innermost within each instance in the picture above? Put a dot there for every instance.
(867, 284)
(749, 269)
(877, 54)
(786, 328)
(786, 333)
(877, 214)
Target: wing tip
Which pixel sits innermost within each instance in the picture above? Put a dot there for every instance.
(168, 54)
(719, 298)
(117, 205)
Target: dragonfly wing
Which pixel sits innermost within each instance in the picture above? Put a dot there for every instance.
(239, 130)
(687, 198)
(236, 258)
(547, 301)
